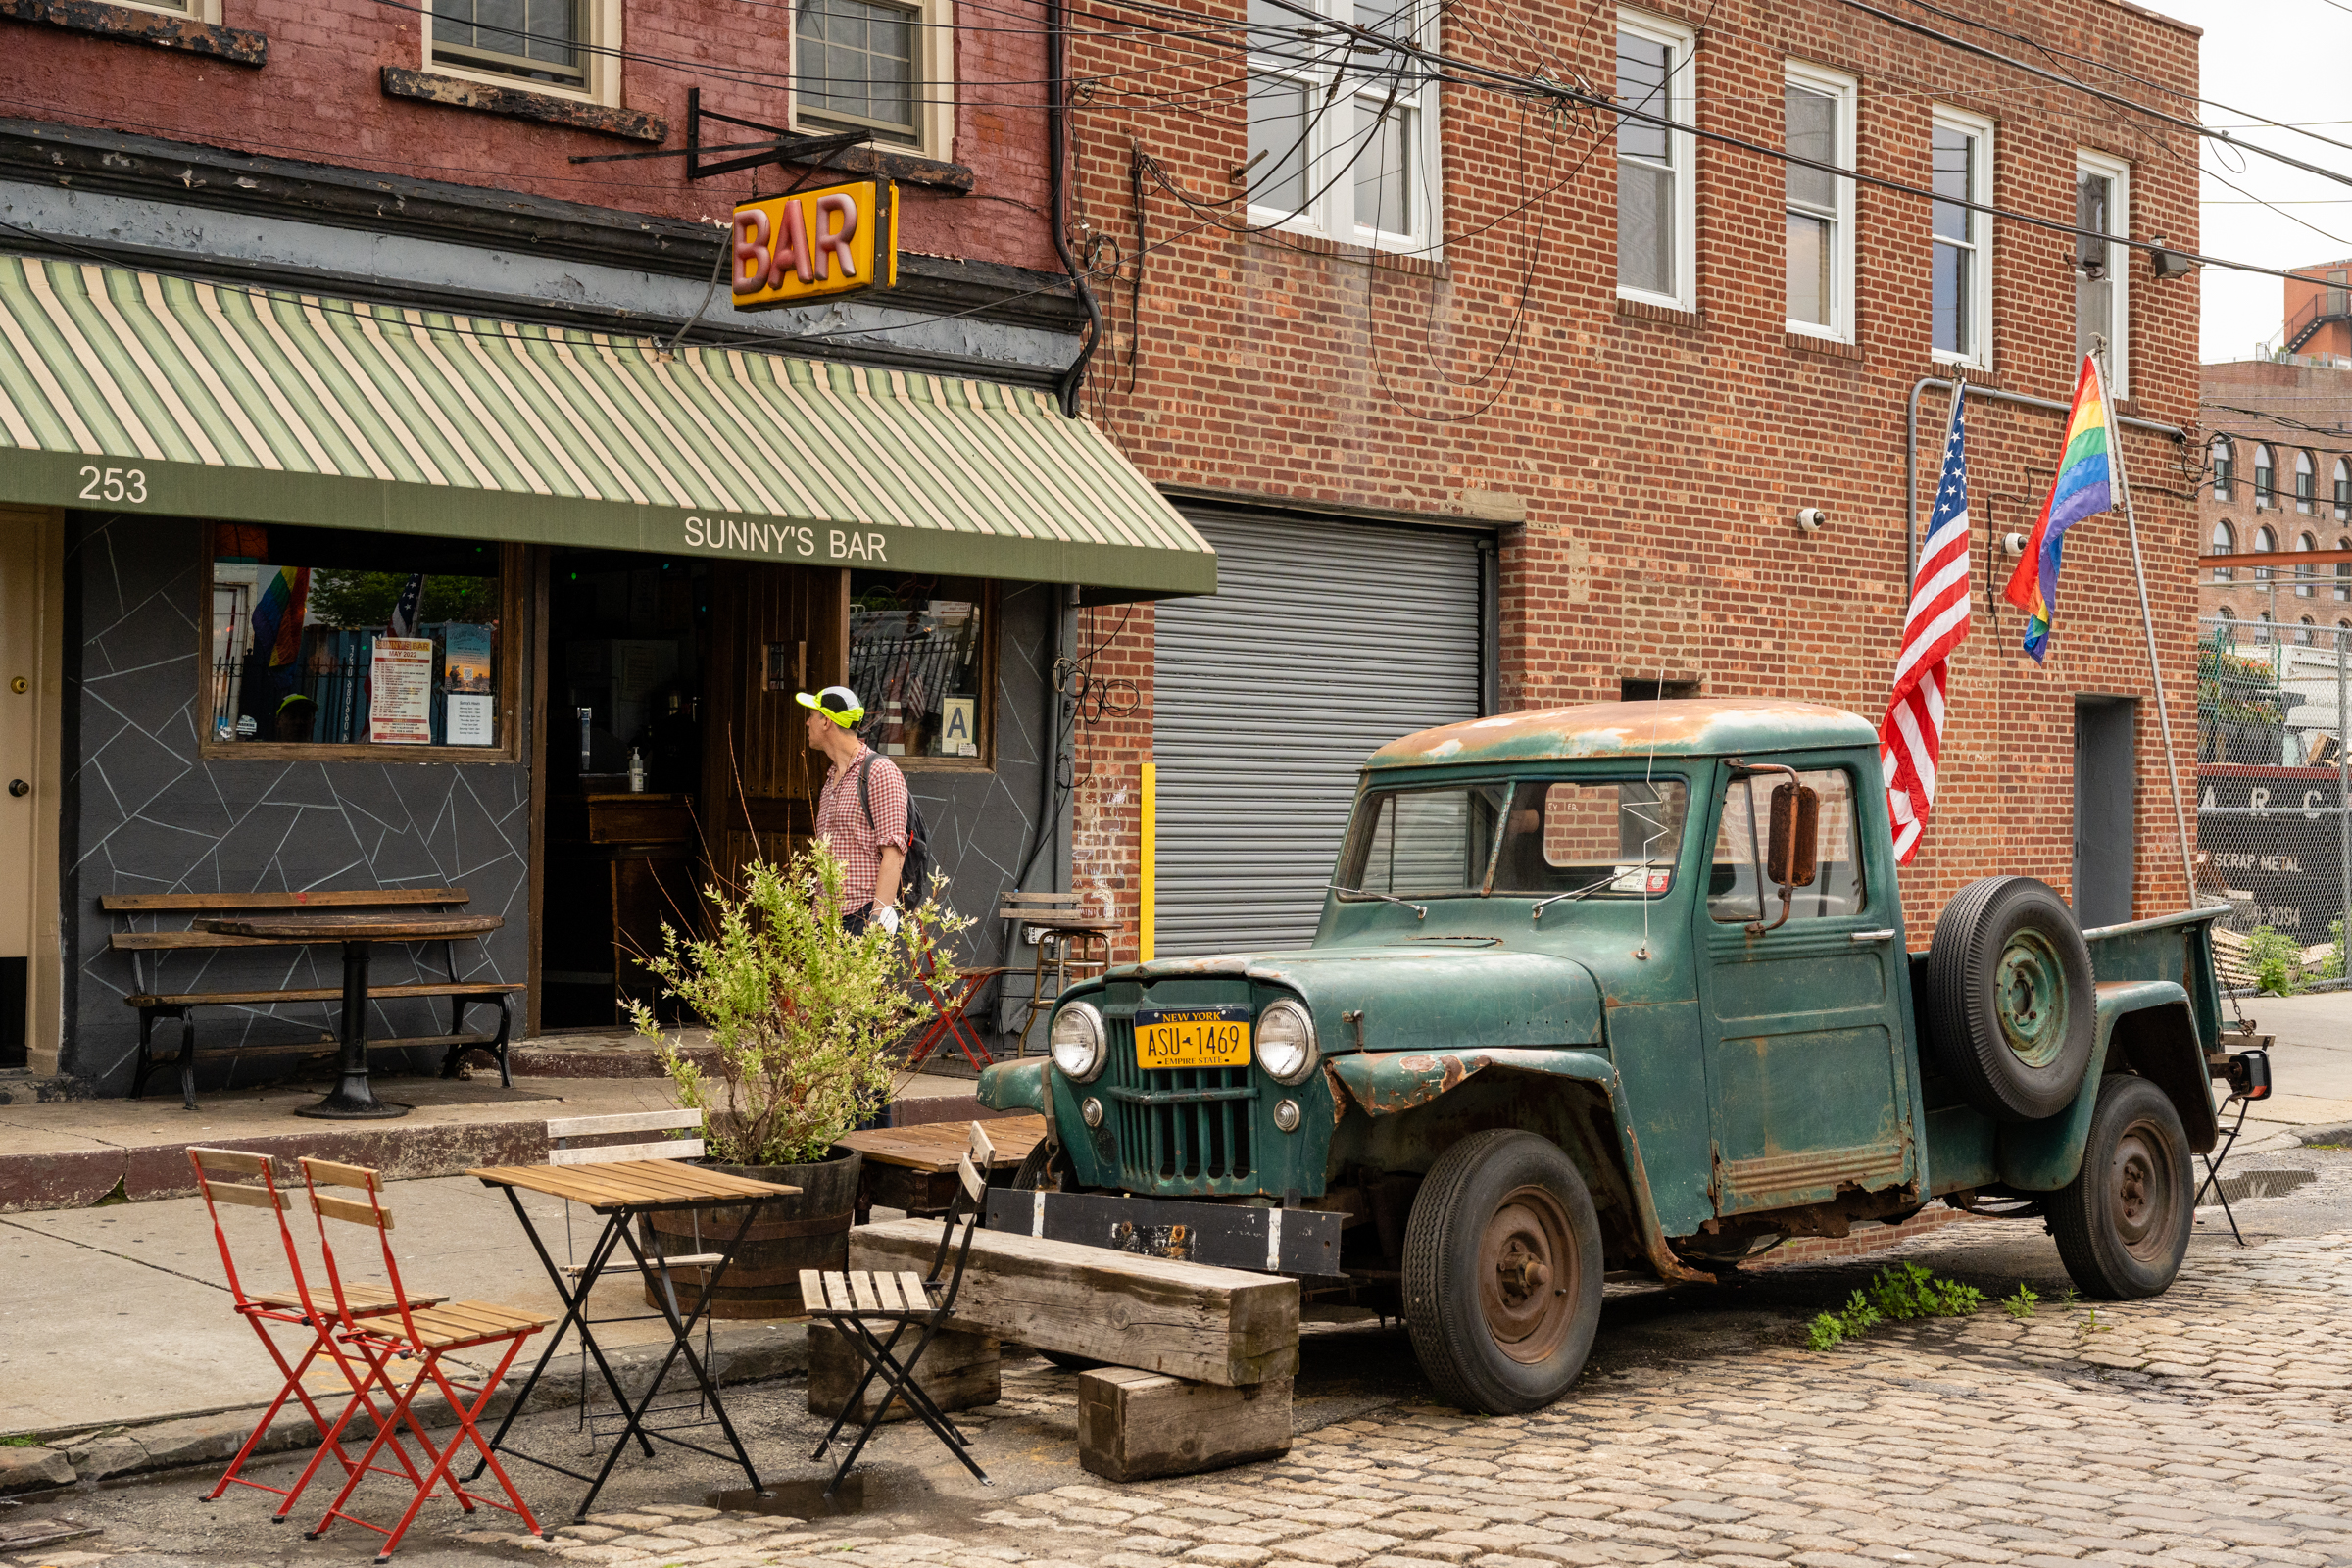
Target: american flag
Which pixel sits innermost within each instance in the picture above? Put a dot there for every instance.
(403, 613)
(1911, 735)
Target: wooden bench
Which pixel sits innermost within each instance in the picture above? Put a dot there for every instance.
(153, 1003)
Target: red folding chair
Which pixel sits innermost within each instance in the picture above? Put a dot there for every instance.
(423, 1336)
(951, 1018)
(292, 1308)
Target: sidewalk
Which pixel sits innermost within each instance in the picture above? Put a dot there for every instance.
(2310, 1068)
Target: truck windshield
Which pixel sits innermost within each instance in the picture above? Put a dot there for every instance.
(1600, 837)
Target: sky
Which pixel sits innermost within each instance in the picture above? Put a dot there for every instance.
(2249, 61)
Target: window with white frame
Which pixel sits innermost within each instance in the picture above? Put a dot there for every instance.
(567, 47)
(2303, 574)
(2102, 276)
(1344, 133)
(1820, 128)
(2224, 467)
(2343, 570)
(1658, 192)
(2343, 491)
(883, 65)
(2307, 483)
(1962, 267)
(2224, 543)
(2265, 479)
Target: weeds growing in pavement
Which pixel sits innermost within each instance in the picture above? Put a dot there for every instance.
(1849, 1322)
(2089, 1324)
(2021, 1306)
(23, 1439)
(1898, 1293)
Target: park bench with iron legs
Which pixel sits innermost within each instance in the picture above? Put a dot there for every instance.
(154, 1004)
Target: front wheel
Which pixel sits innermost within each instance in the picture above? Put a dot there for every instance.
(1503, 1273)
(2123, 1223)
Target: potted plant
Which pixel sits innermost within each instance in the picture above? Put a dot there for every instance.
(804, 1019)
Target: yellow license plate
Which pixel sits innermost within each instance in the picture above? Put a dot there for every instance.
(1192, 1037)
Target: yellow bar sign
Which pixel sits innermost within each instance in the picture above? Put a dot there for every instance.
(830, 241)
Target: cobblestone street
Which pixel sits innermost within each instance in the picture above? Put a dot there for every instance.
(2211, 1426)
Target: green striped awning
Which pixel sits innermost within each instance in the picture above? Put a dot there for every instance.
(129, 390)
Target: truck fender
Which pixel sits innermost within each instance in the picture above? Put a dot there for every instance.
(1386, 1083)
(1016, 1086)
(2145, 1027)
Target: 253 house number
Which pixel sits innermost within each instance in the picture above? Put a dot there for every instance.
(115, 485)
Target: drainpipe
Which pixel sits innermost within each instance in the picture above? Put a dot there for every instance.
(1057, 145)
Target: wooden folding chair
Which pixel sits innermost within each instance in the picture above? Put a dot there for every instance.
(854, 1301)
(291, 1308)
(422, 1335)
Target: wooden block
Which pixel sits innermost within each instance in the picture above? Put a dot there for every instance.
(958, 1370)
(1189, 1320)
(1134, 1425)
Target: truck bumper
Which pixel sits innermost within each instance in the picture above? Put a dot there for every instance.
(1302, 1241)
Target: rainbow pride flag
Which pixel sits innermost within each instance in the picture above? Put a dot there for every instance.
(2085, 487)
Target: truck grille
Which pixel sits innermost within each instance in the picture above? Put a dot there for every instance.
(1180, 1139)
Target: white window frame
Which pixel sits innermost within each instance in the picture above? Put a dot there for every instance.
(191, 10)
(1682, 151)
(602, 49)
(934, 27)
(1330, 209)
(1979, 282)
(2119, 332)
(1848, 93)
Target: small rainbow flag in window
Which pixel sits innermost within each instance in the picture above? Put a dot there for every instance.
(2084, 488)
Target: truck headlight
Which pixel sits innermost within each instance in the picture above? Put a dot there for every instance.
(1076, 1041)
(1286, 1041)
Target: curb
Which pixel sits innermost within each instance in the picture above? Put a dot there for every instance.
(743, 1354)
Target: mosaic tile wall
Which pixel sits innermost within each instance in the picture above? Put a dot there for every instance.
(145, 813)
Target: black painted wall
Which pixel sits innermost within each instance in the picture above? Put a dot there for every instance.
(145, 813)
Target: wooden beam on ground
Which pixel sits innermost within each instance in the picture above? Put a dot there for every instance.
(958, 1371)
(1134, 1426)
(1212, 1325)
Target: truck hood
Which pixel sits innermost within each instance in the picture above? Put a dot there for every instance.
(1405, 996)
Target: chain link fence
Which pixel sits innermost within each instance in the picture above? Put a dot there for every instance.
(2273, 839)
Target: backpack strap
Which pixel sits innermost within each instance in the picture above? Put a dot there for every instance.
(865, 790)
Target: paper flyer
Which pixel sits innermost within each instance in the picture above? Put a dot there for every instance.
(472, 720)
(466, 658)
(400, 707)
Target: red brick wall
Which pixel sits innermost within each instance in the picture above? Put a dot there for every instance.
(1660, 462)
(319, 100)
(2237, 397)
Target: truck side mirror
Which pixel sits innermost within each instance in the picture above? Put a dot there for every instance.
(1792, 857)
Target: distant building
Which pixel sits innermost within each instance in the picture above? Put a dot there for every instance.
(2279, 458)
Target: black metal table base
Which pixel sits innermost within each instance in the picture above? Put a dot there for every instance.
(351, 1100)
(632, 1413)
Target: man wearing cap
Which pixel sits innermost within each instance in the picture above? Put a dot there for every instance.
(870, 853)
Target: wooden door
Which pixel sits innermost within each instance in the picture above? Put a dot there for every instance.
(29, 783)
(775, 630)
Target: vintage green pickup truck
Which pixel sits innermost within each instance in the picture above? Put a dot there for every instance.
(1624, 987)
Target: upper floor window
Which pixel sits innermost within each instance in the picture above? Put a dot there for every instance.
(1657, 202)
(1344, 136)
(539, 43)
(2102, 207)
(2342, 491)
(2303, 574)
(2266, 543)
(1962, 266)
(1819, 125)
(2307, 478)
(2224, 467)
(878, 66)
(2266, 480)
(2224, 542)
(2343, 570)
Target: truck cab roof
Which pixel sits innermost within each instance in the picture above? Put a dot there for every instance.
(1598, 731)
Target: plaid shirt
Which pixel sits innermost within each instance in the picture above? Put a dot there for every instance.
(841, 823)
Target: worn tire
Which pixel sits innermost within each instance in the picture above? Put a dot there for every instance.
(2011, 1014)
(2122, 1224)
(1503, 1218)
(1032, 1175)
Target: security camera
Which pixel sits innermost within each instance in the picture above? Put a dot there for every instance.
(2013, 544)
(1809, 519)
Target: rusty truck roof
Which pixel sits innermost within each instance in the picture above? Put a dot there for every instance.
(1697, 727)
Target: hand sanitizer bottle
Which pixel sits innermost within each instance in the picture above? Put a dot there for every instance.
(636, 771)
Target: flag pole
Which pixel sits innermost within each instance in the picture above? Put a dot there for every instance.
(2147, 623)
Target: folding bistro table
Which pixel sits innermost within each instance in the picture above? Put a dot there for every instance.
(621, 1192)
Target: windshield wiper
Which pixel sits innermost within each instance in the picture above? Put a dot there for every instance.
(1536, 911)
(1420, 910)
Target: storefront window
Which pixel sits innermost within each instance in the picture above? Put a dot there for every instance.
(922, 658)
(325, 637)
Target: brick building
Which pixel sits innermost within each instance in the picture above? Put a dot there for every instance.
(2280, 449)
(301, 303)
(1581, 379)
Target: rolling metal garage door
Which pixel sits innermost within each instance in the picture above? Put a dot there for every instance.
(1323, 642)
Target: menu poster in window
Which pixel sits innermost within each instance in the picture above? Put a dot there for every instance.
(466, 658)
(471, 716)
(400, 709)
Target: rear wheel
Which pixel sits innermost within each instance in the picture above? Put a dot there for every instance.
(2122, 1224)
(1503, 1273)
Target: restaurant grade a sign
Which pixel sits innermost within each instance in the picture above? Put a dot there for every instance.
(791, 249)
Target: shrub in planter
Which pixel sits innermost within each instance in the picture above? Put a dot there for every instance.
(803, 1017)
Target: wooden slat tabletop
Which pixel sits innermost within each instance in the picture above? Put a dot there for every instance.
(937, 1145)
(631, 1183)
(352, 927)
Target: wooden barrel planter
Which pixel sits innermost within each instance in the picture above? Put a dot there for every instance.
(808, 1229)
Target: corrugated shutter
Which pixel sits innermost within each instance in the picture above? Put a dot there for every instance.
(1324, 641)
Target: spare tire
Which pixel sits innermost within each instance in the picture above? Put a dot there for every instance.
(2011, 1015)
